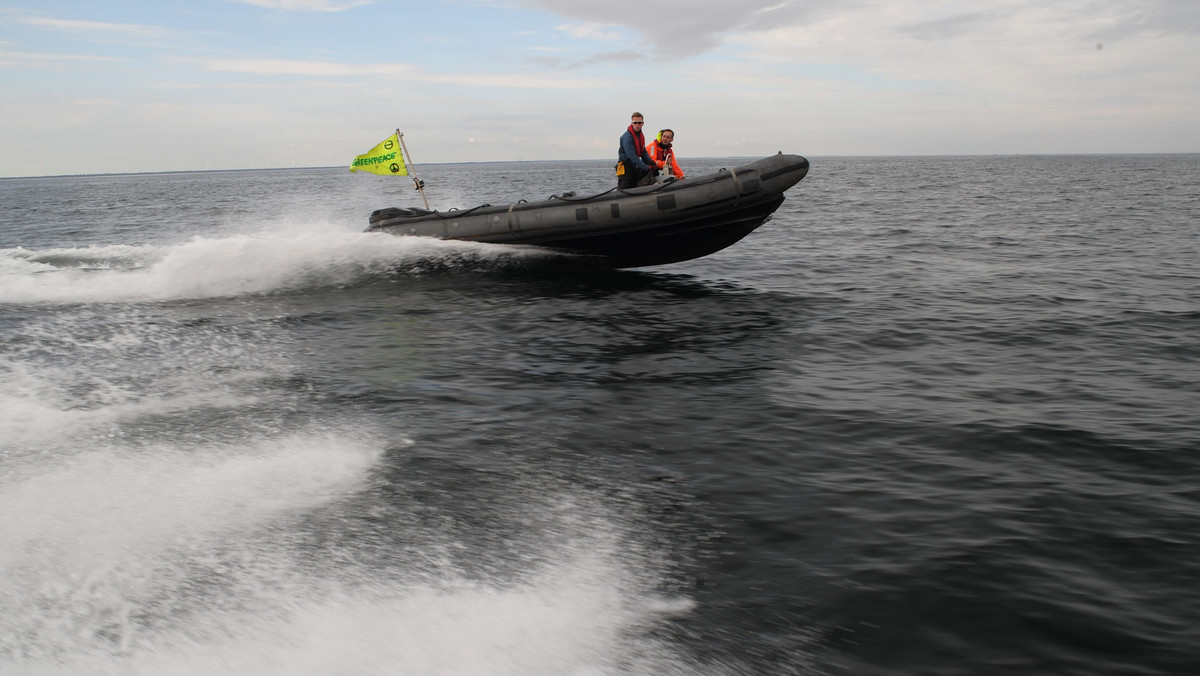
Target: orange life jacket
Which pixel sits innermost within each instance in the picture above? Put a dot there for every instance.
(662, 158)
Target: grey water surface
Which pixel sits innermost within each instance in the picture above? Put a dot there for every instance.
(940, 415)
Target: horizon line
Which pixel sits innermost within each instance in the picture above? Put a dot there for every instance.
(723, 157)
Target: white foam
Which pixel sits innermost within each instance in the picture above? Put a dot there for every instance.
(540, 629)
(189, 557)
(110, 504)
(38, 415)
(70, 379)
(574, 619)
(102, 535)
(97, 543)
(222, 267)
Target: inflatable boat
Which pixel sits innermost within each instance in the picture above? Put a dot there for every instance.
(652, 225)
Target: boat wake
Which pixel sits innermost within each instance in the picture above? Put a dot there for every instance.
(228, 559)
(236, 265)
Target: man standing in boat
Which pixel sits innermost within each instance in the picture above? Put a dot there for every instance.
(633, 166)
(662, 157)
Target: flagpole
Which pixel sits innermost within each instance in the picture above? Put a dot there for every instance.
(416, 181)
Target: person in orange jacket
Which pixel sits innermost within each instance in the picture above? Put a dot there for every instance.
(663, 156)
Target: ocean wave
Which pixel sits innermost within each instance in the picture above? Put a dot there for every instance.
(233, 266)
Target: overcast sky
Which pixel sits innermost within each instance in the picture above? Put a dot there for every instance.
(154, 85)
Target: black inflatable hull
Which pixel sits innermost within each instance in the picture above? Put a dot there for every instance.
(654, 225)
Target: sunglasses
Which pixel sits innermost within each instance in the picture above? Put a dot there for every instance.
(639, 123)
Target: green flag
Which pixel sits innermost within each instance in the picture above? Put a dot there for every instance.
(384, 158)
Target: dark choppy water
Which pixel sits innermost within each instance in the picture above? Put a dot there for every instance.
(941, 415)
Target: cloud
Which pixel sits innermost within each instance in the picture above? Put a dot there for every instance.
(949, 27)
(310, 68)
(30, 59)
(306, 5)
(96, 28)
(397, 71)
(618, 57)
(857, 77)
(589, 31)
(1150, 18)
(1024, 64)
(681, 28)
(675, 29)
(516, 81)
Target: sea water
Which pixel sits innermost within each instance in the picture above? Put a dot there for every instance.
(939, 415)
